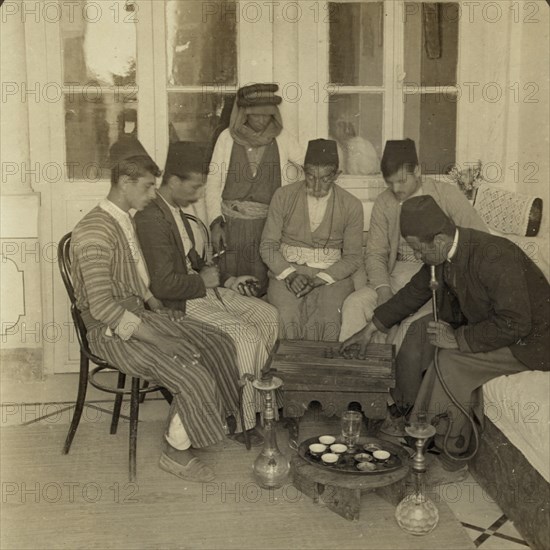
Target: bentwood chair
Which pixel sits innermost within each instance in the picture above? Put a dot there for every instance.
(201, 234)
(136, 392)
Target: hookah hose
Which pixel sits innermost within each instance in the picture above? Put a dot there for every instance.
(462, 410)
(433, 287)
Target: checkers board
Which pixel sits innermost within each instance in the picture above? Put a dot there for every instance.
(318, 366)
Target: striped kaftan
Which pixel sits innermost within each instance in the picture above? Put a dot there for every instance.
(105, 275)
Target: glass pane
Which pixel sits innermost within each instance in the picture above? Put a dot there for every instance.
(201, 42)
(92, 124)
(431, 38)
(356, 37)
(430, 120)
(99, 42)
(355, 122)
(198, 117)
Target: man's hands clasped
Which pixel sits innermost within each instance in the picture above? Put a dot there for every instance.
(301, 284)
(246, 285)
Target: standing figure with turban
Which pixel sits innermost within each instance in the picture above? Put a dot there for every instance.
(251, 160)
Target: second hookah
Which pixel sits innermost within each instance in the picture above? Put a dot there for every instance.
(416, 513)
(272, 467)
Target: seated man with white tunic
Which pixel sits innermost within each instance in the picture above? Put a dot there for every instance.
(185, 282)
(311, 244)
(131, 329)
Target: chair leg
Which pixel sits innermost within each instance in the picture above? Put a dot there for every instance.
(80, 401)
(167, 395)
(118, 403)
(143, 387)
(134, 417)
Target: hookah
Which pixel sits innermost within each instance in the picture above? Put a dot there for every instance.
(416, 513)
(271, 467)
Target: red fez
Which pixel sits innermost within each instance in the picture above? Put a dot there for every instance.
(322, 152)
(258, 94)
(422, 217)
(398, 152)
(186, 157)
(128, 147)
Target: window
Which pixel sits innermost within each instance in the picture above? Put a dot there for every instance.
(355, 110)
(392, 73)
(429, 91)
(99, 83)
(201, 67)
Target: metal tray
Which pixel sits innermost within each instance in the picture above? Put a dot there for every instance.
(347, 462)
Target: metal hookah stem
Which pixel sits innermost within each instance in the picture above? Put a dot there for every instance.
(433, 286)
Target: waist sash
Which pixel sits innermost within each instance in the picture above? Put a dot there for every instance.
(319, 257)
(245, 210)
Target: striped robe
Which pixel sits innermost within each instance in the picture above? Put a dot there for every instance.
(104, 274)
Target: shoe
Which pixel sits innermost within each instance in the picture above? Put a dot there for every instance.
(394, 426)
(195, 470)
(256, 439)
(218, 447)
(436, 474)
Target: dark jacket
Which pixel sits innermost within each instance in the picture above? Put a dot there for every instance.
(164, 254)
(492, 292)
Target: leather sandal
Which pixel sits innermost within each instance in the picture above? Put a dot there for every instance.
(195, 470)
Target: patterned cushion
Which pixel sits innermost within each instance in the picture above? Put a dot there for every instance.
(508, 212)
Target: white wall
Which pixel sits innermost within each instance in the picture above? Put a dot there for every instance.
(21, 328)
(534, 114)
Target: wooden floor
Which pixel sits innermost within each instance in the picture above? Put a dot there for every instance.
(84, 500)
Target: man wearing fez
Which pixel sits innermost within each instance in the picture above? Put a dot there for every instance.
(251, 159)
(184, 282)
(493, 308)
(312, 245)
(389, 261)
(131, 329)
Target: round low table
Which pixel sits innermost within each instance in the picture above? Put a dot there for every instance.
(341, 491)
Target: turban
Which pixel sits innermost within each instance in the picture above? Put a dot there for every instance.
(128, 147)
(322, 152)
(186, 157)
(397, 153)
(422, 217)
(257, 95)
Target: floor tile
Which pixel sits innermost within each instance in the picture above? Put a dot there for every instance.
(509, 529)
(498, 543)
(469, 503)
(472, 533)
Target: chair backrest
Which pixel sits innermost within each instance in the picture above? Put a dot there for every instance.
(202, 236)
(64, 262)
